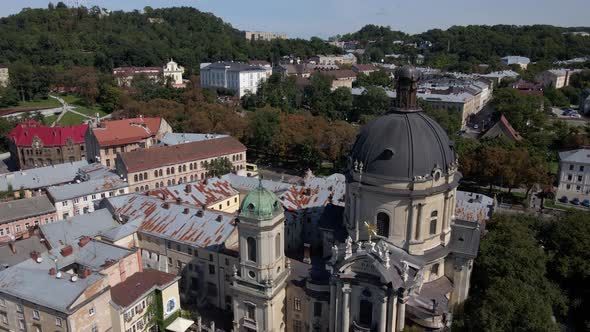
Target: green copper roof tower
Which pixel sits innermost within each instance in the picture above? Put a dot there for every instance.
(260, 204)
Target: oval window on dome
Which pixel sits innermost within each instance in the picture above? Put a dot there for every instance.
(250, 206)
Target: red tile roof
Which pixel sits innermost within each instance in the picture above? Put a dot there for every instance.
(364, 67)
(339, 73)
(138, 285)
(119, 132)
(24, 132)
(144, 159)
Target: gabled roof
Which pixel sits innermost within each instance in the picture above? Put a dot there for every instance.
(41, 177)
(24, 133)
(144, 159)
(503, 127)
(119, 132)
(109, 182)
(140, 285)
(25, 208)
(69, 231)
(199, 194)
(339, 74)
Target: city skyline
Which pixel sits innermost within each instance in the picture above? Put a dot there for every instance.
(346, 16)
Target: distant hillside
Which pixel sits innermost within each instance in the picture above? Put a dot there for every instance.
(89, 37)
(477, 44)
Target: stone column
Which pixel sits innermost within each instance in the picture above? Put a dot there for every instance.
(383, 314)
(445, 215)
(332, 306)
(401, 313)
(337, 308)
(410, 227)
(346, 308)
(391, 313)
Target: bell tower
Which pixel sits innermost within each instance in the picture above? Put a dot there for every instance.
(259, 282)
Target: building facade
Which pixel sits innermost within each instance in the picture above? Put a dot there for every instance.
(107, 138)
(262, 35)
(33, 144)
(157, 167)
(237, 77)
(574, 175)
(18, 216)
(173, 71)
(4, 76)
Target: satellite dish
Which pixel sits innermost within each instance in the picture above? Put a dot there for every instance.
(58, 275)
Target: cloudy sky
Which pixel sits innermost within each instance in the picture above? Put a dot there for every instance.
(324, 18)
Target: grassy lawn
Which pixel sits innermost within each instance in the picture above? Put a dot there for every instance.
(45, 103)
(49, 119)
(71, 119)
(90, 111)
(70, 99)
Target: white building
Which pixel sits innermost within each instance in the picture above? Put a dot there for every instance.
(3, 75)
(522, 61)
(574, 174)
(89, 188)
(238, 77)
(174, 71)
(556, 78)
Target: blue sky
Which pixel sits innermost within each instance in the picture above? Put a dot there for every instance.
(324, 18)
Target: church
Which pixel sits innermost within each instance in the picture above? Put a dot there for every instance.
(394, 256)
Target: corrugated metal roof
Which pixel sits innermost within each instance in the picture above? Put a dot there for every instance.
(473, 206)
(70, 230)
(107, 183)
(169, 221)
(180, 138)
(203, 193)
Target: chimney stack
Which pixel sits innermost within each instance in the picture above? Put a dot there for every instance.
(52, 271)
(84, 272)
(219, 218)
(178, 200)
(185, 211)
(200, 213)
(67, 250)
(36, 256)
(84, 241)
(187, 188)
(166, 205)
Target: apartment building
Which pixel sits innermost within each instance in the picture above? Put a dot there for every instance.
(133, 300)
(90, 187)
(4, 76)
(331, 59)
(238, 77)
(111, 137)
(574, 174)
(556, 78)
(521, 61)
(197, 244)
(162, 166)
(18, 216)
(33, 144)
(262, 35)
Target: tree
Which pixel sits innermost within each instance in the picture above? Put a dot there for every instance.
(375, 78)
(218, 167)
(316, 96)
(556, 97)
(8, 96)
(372, 102)
(264, 125)
(342, 101)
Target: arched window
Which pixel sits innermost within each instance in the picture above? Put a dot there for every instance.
(160, 172)
(434, 271)
(161, 183)
(366, 313)
(433, 221)
(278, 246)
(184, 168)
(251, 249)
(157, 185)
(382, 224)
(156, 173)
(147, 187)
(145, 176)
(135, 178)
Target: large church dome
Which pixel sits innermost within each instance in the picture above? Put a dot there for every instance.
(405, 143)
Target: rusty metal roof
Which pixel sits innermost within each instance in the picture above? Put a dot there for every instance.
(197, 194)
(179, 223)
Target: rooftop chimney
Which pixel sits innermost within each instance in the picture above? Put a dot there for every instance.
(185, 211)
(52, 271)
(67, 250)
(178, 200)
(200, 213)
(84, 241)
(84, 272)
(219, 218)
(166, 205)
(187, 188)
(306, 253)
(36, 256)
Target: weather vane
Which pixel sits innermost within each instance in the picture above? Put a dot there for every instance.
(371, 229)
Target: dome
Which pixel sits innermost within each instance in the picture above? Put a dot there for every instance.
(408, 72)
(260, 204)
(403, 145)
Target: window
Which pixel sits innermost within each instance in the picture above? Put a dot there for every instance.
(581, 168)
(169, 261)
(568, 187)
(4, 317)
(57, 321)
(145, 177)
(210, 257)
(278, 246)
(91, 311)
(2, 302)
(226, 262)
(251, 249)
(135, 178)
(297, 304)
(317, 309)
(21, 324)
(189, 250)
(19, 308)
(108, 163)
(434, 270)
(64, 203)
(36, 314)
(18, 226)
(156, 173)
(569, 177)
(571, 167)
(179, 264)
(579, 178)
(366, 313)
(382, 224)
(211, 269)
(220, 206)
(250, 311)
(297, 326)
(433, 222)
(578, 187)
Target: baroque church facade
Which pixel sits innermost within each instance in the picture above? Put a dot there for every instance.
(397, 256)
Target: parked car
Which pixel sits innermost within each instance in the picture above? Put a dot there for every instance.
(563, 199)
(586, 202)
(576, 201)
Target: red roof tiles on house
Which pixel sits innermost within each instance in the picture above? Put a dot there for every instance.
(515, 135)
(138, 285)
(144, 159)
(119, 132)
(24, 133)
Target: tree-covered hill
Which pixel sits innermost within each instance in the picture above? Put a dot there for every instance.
(477, 44)
(92, 37)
